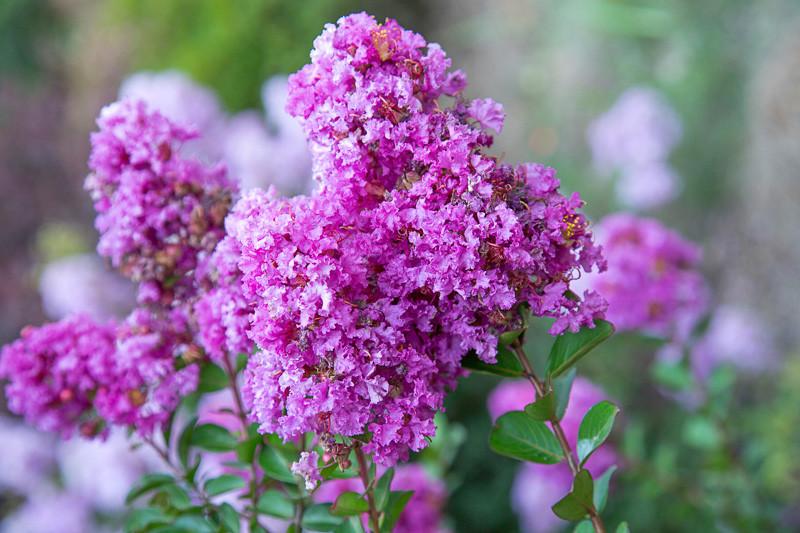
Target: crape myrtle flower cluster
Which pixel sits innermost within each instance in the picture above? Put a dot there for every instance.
(538, 487)
(160, 215)
(417, 248)
(157, 212)
(423, 514)
(634, 139)
(653, 282)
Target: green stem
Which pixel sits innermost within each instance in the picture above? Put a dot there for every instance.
(363, 471)
(572, 461)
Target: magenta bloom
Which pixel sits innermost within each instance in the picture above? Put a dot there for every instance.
(55, 370)
(157, 211)
(652, 283)
(417, 248)
(423, 513)
(147, 384)
(537, 487)
(221, 311)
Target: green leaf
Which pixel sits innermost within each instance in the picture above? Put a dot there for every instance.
(673, 375)
(561, 388)
(185, 441)
(213, 438)
(147, 483)
(349, 504)
(623, 528)
(241, 361)
(212, 378)
(544, 408)
(319, 518)
(584, 527)
(583, 488)
(517, 435)
(246, 449)
(507, 364)
(601, 488)
(382, 489)
(569, 348)
(569, 508)
(229, 518)
(595, 428)
(701, 433)
(276, 465)
(223, 483)
(176, 496)
(394, 508)
(352, 525)
(275, 503)
(141, 519)
(506, 338)
(193, 524)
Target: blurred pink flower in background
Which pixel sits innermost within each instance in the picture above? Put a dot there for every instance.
(634, 139)
(653, 283)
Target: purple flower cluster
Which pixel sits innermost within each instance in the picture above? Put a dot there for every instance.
(54, 373)
(417, 248)
(161, 218)
(652, 282)
(634, 138)
(221, 311)
(78, 375)
(157, 211)
(423, 513)
(537, 487)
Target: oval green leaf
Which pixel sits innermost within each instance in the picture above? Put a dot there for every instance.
(569, 348)
(595, 428)
(517, 435)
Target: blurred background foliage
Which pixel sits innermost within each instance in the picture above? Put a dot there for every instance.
(729, 464)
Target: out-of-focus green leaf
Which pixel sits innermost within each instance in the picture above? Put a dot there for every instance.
(223, 483)
(147, 483)
(318, 517)
(212, 378)
(213, 438)
(275, 503)
(276, 465)
(601, 488)
(349, 504)
(394, 508)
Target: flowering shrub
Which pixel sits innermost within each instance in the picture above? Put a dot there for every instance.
(337, 321)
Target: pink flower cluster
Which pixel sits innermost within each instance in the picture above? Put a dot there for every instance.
(418, 247)
(161, 216)
(78, 375)
(158, 212)
(423, 513)
(652, 282)
(537, 487)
